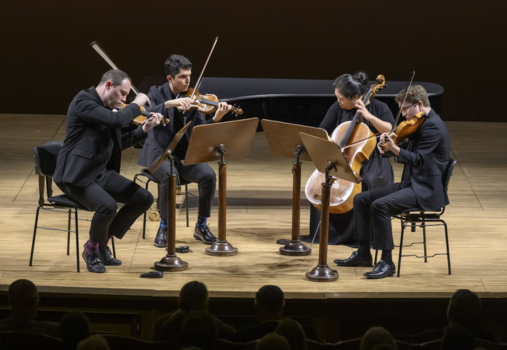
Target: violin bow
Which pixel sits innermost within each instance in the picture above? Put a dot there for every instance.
(397, 116)
(108, 59)
(402, 103)
(204, 68)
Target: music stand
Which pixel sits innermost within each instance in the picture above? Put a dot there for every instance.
(328, 158)
(210, 142)
(171, 262)
(284, 141)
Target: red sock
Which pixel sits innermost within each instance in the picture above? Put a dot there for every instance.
(91, 246)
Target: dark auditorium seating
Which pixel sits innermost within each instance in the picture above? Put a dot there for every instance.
(117, 342)
(489, 345)
(26, 340)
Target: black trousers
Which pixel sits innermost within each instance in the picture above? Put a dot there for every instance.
(373, 210)
(102, 196)
(202, 174)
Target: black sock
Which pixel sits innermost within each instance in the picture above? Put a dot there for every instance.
(364, 249)
(387, 256)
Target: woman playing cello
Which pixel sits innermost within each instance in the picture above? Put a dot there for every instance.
(376, 171)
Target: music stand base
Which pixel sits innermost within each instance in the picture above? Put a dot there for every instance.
(171, 263)
(322, 273)
(295, 248)
(221, 248)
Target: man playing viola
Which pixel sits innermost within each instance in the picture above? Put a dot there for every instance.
(168, 99)
(87, 169)
(425, 155)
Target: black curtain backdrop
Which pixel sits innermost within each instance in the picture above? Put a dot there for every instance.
(46, 56)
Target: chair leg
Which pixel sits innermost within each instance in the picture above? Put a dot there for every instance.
(34, 233)
(376, 255)
(68, 232)
(447, 246)
(401, 248)
(186, 202)
(114, 248)
(144, 216)
(77, 239)
(424, 240)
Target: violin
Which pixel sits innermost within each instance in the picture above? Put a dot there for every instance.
(357, 143)
(405, 129)
(141, 119)
(206, 104)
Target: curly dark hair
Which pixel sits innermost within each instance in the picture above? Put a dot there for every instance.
(174, 63)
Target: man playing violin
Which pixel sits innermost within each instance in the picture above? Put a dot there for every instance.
(169, 99)
(87, 169)
(425, 155)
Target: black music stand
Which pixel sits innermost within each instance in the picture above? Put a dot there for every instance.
(328, 158)
(211, 142)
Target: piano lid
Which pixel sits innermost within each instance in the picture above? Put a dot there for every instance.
(236, 89)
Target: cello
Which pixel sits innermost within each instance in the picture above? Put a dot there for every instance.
(357, 143)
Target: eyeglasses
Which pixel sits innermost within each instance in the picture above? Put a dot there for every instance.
(405, 109)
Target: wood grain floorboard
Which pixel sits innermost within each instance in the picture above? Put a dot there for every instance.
(259, 213)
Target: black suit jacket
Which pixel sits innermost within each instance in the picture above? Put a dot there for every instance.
(160, 136)
(94, 140)
(426, 155)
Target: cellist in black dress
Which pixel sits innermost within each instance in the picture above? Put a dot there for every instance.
(377, 171)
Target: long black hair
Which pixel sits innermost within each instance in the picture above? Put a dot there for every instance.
(352, 85)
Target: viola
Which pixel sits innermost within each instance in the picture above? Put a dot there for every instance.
(405, 129)
(357, 143)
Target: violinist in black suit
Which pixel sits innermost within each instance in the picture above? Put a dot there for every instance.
(425, 155)
(169, 100)
(88, 166)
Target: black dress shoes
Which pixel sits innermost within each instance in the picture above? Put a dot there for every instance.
(106, 256)
(355, 260)
(161, 239)
(202, 233)
(93, 262)
(381, 270)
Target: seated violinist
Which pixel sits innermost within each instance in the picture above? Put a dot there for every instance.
(169, 99)
(425, 155)
(87, 169)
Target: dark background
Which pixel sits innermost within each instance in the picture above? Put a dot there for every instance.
(46, 56)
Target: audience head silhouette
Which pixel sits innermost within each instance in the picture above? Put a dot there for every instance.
(23, 298)
(293, 333)
(464, 308)
(457, 337)
(193, 296)
(74, 327)
(94, 342)
(273, 341)
(269, 302)
(199, 330)
(377, 338)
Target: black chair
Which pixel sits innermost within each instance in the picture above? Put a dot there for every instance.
(418, 217)
(150, 178)
(45, 158)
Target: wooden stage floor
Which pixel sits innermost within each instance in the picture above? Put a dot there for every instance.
(259, 213)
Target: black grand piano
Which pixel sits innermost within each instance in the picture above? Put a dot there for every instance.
(296, 101)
